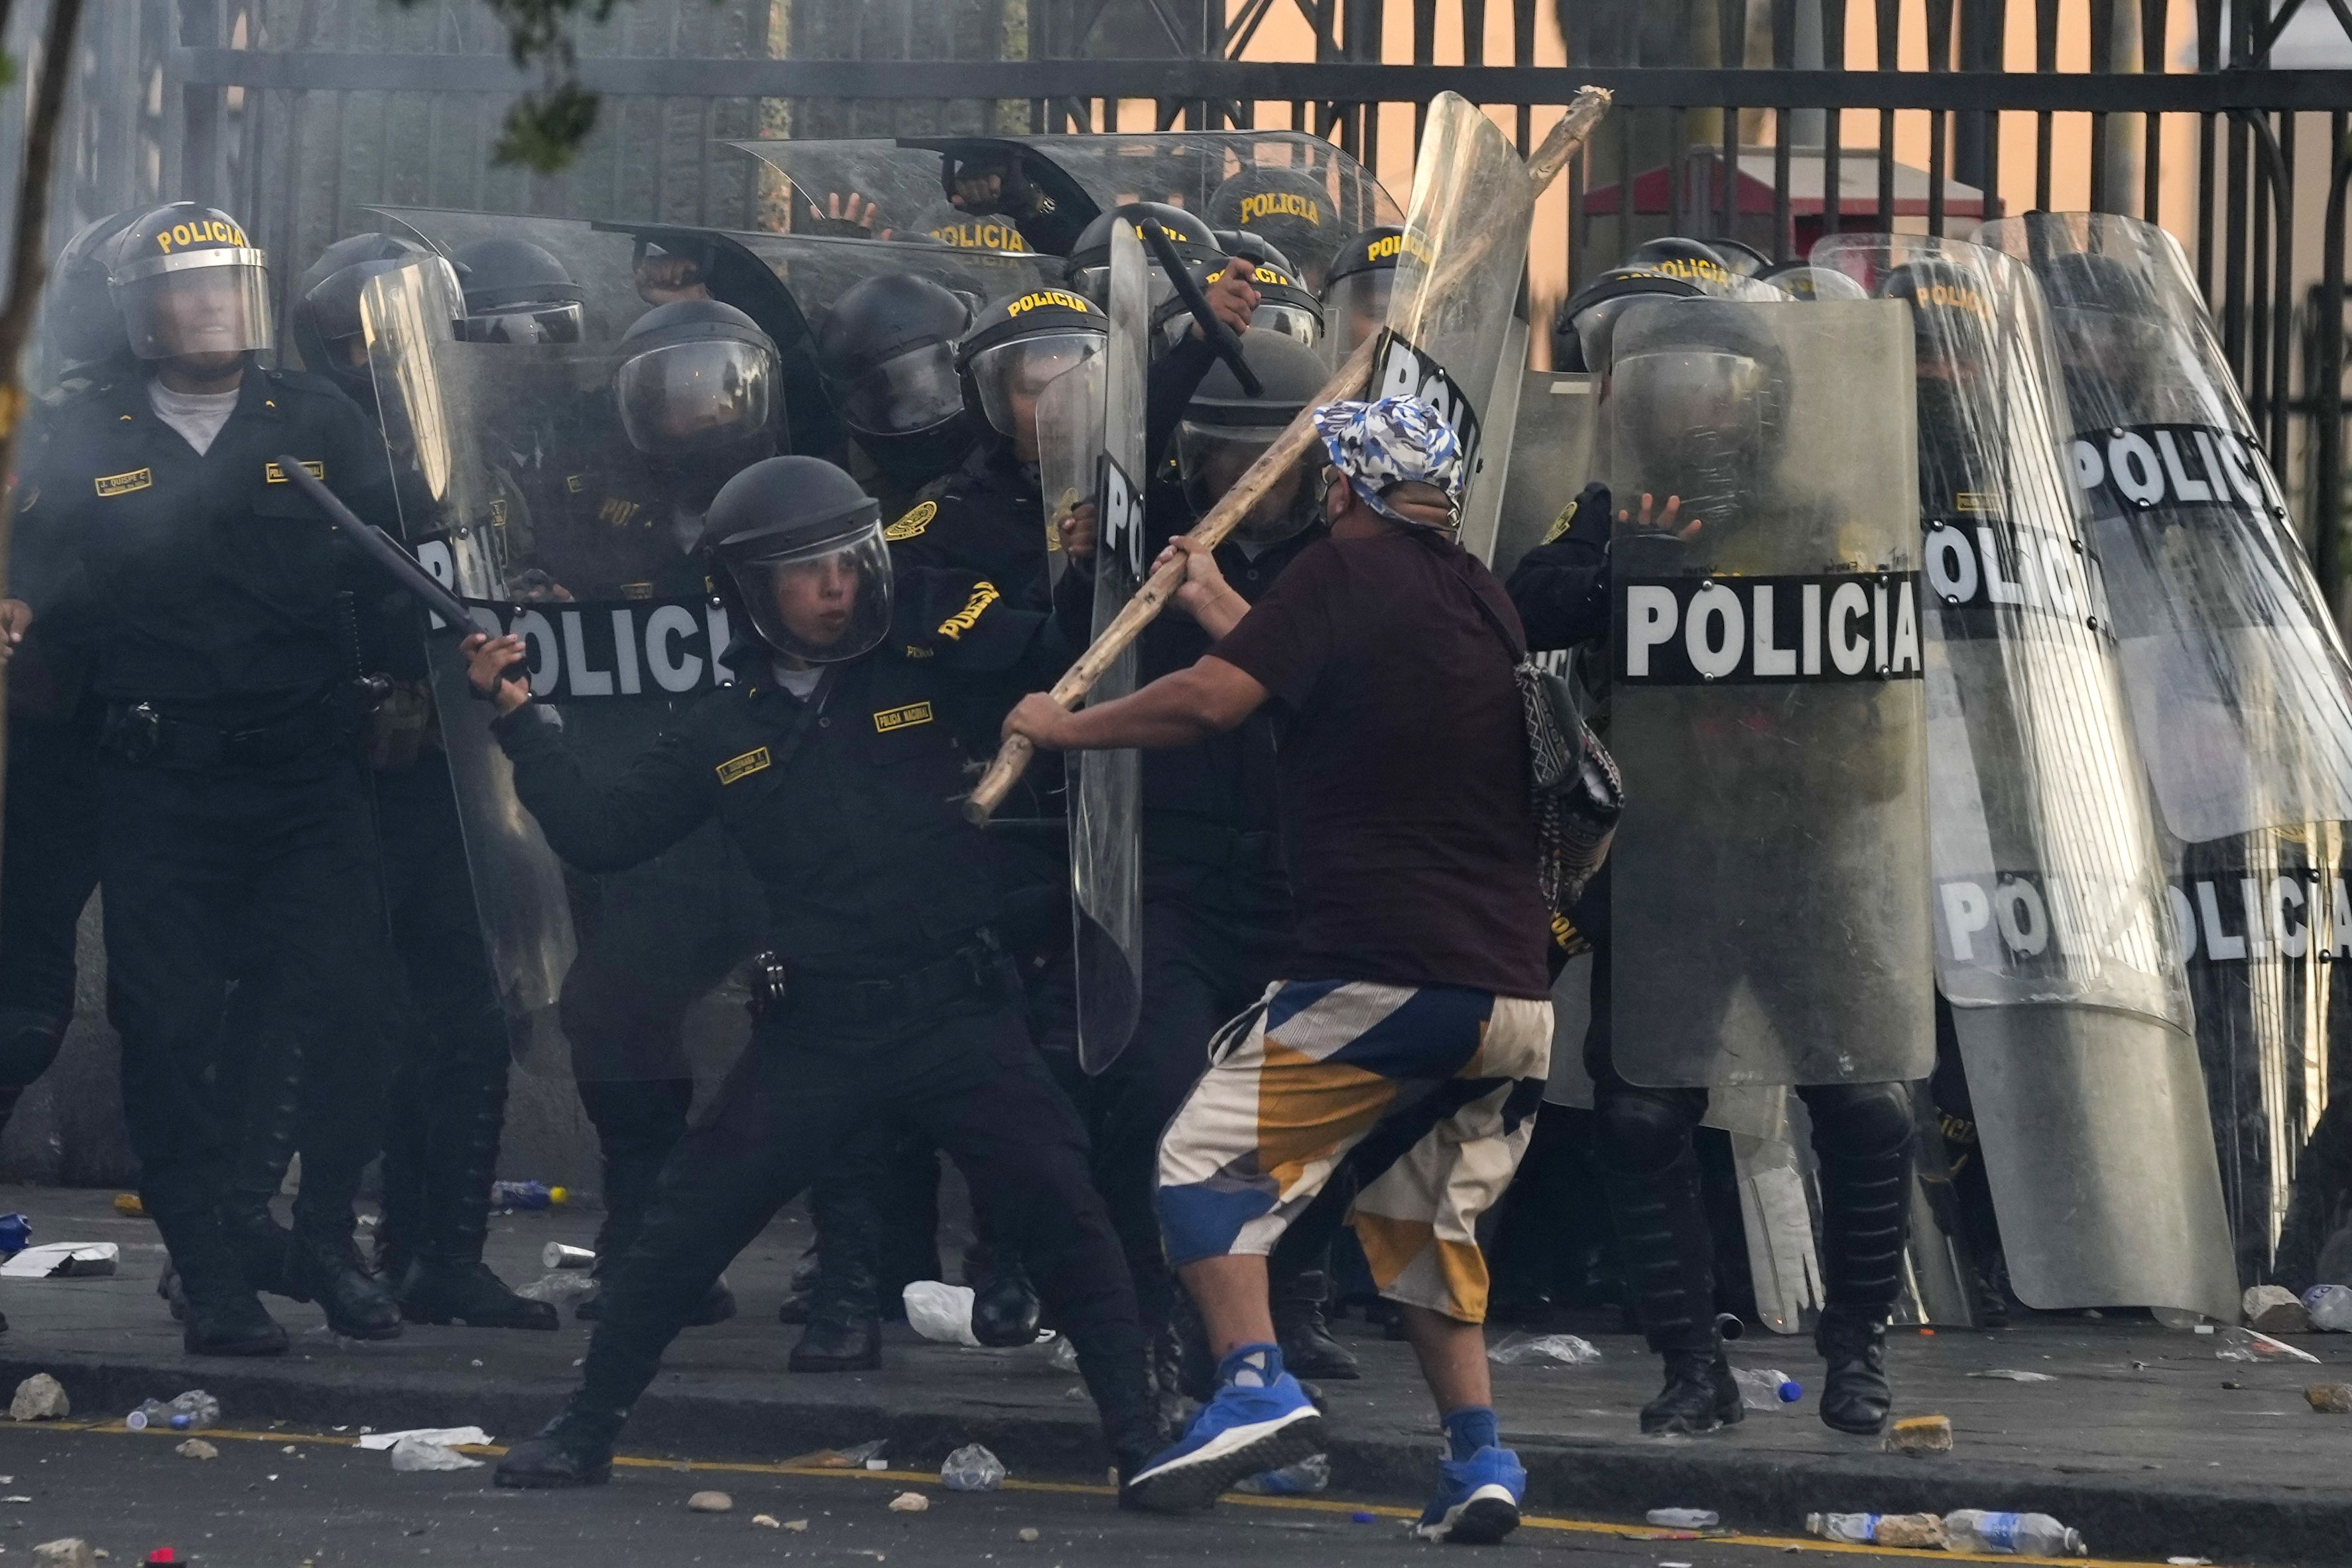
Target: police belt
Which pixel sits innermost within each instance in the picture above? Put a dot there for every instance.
(142, 733)
(783, 993)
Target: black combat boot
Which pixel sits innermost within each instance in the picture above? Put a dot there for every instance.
(844, 1324)
(1004, 1307)
(1855, 1396)
(1863, 1137)
(794, 1310)
(1700, 1396)
(446, 1280)
(576, 1449)
(323, 1265)
(269, 1097)
(220, 1314)
(1308, 1349)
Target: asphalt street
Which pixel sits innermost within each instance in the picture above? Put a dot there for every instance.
(287, 1500)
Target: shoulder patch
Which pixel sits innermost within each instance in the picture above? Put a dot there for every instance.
(743, 767)
(913, 523)
(1560, 525)
(272, 474)
(965, 619)
(891, 718)
(123, 484)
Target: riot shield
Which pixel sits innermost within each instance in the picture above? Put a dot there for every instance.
(1307, 195)
(622, 980)
(2052, 939)
(903, 183)
(1768, 903)
(2237, 678)
(601, 262)
(1107, 794)
(1454, 303)
(1551, 462)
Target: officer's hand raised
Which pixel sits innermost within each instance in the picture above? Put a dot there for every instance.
(1076, 531)
(1664, 523)
(1231, 297)
(497, 670)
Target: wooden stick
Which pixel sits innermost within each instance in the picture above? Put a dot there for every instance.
(1295, 440)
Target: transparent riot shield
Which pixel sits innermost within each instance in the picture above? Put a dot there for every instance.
(1452, 308)
(2238, 682)
(1107, 794)
(1552, 460)
(1769, 898)
(2053, 945)
(599, 262)
(622, 980)
(902, 182)
(2238, 676)
(1306, 195)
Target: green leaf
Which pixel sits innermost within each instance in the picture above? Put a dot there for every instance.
(544, 129)
(7, 69)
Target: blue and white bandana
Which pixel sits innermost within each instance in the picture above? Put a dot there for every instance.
(1397, 439)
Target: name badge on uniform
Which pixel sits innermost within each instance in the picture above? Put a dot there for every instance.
(891, 718)
(743, 767)
(123, 484)
(274, 475)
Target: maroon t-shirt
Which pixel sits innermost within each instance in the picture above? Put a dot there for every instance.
(1401, 766)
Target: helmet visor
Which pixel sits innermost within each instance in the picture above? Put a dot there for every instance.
(825, 602)
(1357, 306)
(1291, 320)
(1697, 423)
(201, 306)
(559, 322)
(914, 391)
(696, 397)
(1212, 458)
(1010, 375)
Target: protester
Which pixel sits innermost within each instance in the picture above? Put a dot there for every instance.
(1420, 972)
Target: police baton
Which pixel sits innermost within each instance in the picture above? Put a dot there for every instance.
(1012, 759)
(1187, 288)
(382, 548)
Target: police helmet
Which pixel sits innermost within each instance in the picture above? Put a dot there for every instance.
(1744, 259)
(1581, 328)
(1702, 388)
(1951, 319)
(187, 281)
(1355, 289)
(1256, 246)
(328, 330)
(1811, 285)
(79, 325)
(1089, 265)
(1018, 344)
(1677, 255)
(886, 352)
(796, 549)
(518, 292)
(1225, 430)
(1284, 306)
(696, 378)
(1289, 209)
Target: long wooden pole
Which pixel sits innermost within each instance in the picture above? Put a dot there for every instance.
(1295, 440)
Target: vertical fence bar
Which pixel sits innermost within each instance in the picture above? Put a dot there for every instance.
(1940, 61)
(2327, 482)
(2103, 43)
(1834, 121)
(1890, 58)
(2045, 60)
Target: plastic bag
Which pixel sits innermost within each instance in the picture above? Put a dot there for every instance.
(1543, 1349)
(941, 1311)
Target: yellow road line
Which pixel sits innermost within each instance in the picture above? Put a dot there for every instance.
(1646, 1532)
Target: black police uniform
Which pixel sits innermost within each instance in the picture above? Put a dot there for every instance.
(1862, 1132)
(894, 1001)
(986, 518)
(234, 830)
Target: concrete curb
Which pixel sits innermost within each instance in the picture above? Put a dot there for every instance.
(2122, 1515)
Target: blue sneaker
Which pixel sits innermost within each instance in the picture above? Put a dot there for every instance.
(1242, 1432)
(1477, 1500)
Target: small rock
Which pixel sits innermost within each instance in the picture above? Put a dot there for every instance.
(1918, 1435)
(797, 1526)
(767, 1522)
(2275, 1309)
(1028, 1533)
(2330, 1398)
(72, 1552)
(39, 1397)
(710, 1502)
(909, 1502)
(196, 1449)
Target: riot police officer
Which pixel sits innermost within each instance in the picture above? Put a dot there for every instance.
(1717, 428)
(235, 840)
(518, 292)
(886, 352)
(832, 765)
(445, 1104)
(1284, 208)
(1356, 291)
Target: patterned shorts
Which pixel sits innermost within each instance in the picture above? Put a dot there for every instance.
(1306, 1074)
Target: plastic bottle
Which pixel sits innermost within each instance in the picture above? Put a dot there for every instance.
(2019, 1534)
(1683, 1518)
(152, 1413)
(15, 1232)
(1308, 1476)
(526, 1195)
(972, 1469)
(2330, 1307)
(1767, 1388)
(1921, 1531)
(197, 1408)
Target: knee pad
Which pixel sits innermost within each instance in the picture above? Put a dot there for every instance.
(1863, 1120)
(1645, 1130)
